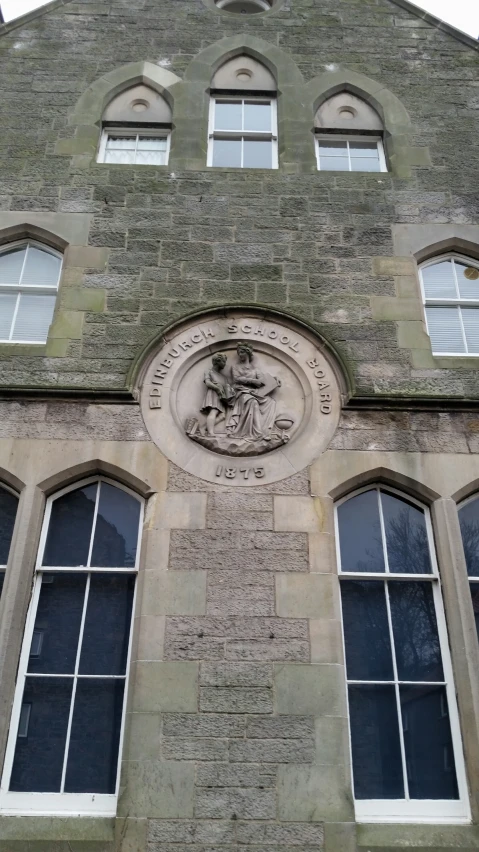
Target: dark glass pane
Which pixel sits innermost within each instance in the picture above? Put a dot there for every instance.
(57, 624)
(475, 604)
(116, 532)
(333, 149)
(366, 631)
(2, 580)
(360, 533)
(95, 736)
(375, 743)
(427, 739)
(40, 748)
(69, 531)
(406, 536)
(418, 653)
(107, 624)
(469, 521)
(8, 511)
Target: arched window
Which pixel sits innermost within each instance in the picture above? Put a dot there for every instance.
(405, 739)
(29, 278)
(8, 513)
(136, 129)
(450, 289)
(469, 521)
(67, 716)
(349, 136)
(243, 129)
(244, 7)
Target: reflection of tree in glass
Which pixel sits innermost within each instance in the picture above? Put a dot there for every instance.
(416, 638)
(470, 540)
(406, 537)
(8, 511)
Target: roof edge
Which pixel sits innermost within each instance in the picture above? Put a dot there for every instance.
(438, 23)
(7, 26)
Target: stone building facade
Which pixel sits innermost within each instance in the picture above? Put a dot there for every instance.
(299, 517)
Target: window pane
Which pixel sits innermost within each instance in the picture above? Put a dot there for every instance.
(366, 631)
(126, 158)
(468, 280)
(360, 534)
(121, 143)
(428, 743)
(38, 762)
(406, 536)
(334, 164)
(11, 263)
(258, 154)
(228, 115)
(469, 521)
(152, 143)
(227, 152)
(41, 268)
(8, 512)
(470, 318)
(2, 580)
(116, 532)
(34, 317)
(257, 117)
(70, 528)
(475, 604)
(150, 158)
(95, 736)
(365, 164)
(57, 624)
(7, 309)
(107, 624)
(438, 280)
(445, 330)
(333, 149)
(364, 149)
(418, 653)
(375, 744)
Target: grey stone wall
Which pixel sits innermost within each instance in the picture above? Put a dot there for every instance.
(177, 239)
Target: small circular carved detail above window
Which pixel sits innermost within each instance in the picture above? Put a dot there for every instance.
(244, 7)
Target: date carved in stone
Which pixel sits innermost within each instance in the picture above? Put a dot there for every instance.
(238, 416)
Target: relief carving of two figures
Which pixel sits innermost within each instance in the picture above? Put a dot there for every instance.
(239, 411)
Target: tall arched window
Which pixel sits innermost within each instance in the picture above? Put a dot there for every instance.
(136, 129)
(29, 278)
(8, 513)
(349, 135)
(243, 127)
(67, 716)
(469, 521)
(450, 289)
(405, 738)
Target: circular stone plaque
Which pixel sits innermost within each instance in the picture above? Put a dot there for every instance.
(241, 398)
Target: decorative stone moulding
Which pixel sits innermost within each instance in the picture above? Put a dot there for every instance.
(241, 397)
(244, 7)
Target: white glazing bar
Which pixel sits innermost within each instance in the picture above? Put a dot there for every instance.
(93, 528)
(24, 263)
(398, 697)
(383, 531)
(463, 330)
(72, 703)
(379, 575)
(14, 318)
(349, 155)
(456, 280)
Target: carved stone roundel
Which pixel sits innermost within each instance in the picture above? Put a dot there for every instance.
(241, 399)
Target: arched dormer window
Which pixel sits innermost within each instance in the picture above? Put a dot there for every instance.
(29, 278)
(405, 740)
(349, 136)
(136, 129)
(243, 130)
(450, 289)
(244, 7)
(8, 513)
(67, 718)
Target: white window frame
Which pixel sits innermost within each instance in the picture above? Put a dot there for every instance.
(37, 289)
(338, 137)
(3, 568)
(14, 803)
(159, 133)
(217, 133)
(443, 811)
(449, 303)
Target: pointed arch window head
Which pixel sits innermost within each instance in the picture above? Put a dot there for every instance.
(243, 129)
(67, 719)
(29, 278)
(450, 290)
(405, 739)
(136, 128)
(349, 135)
